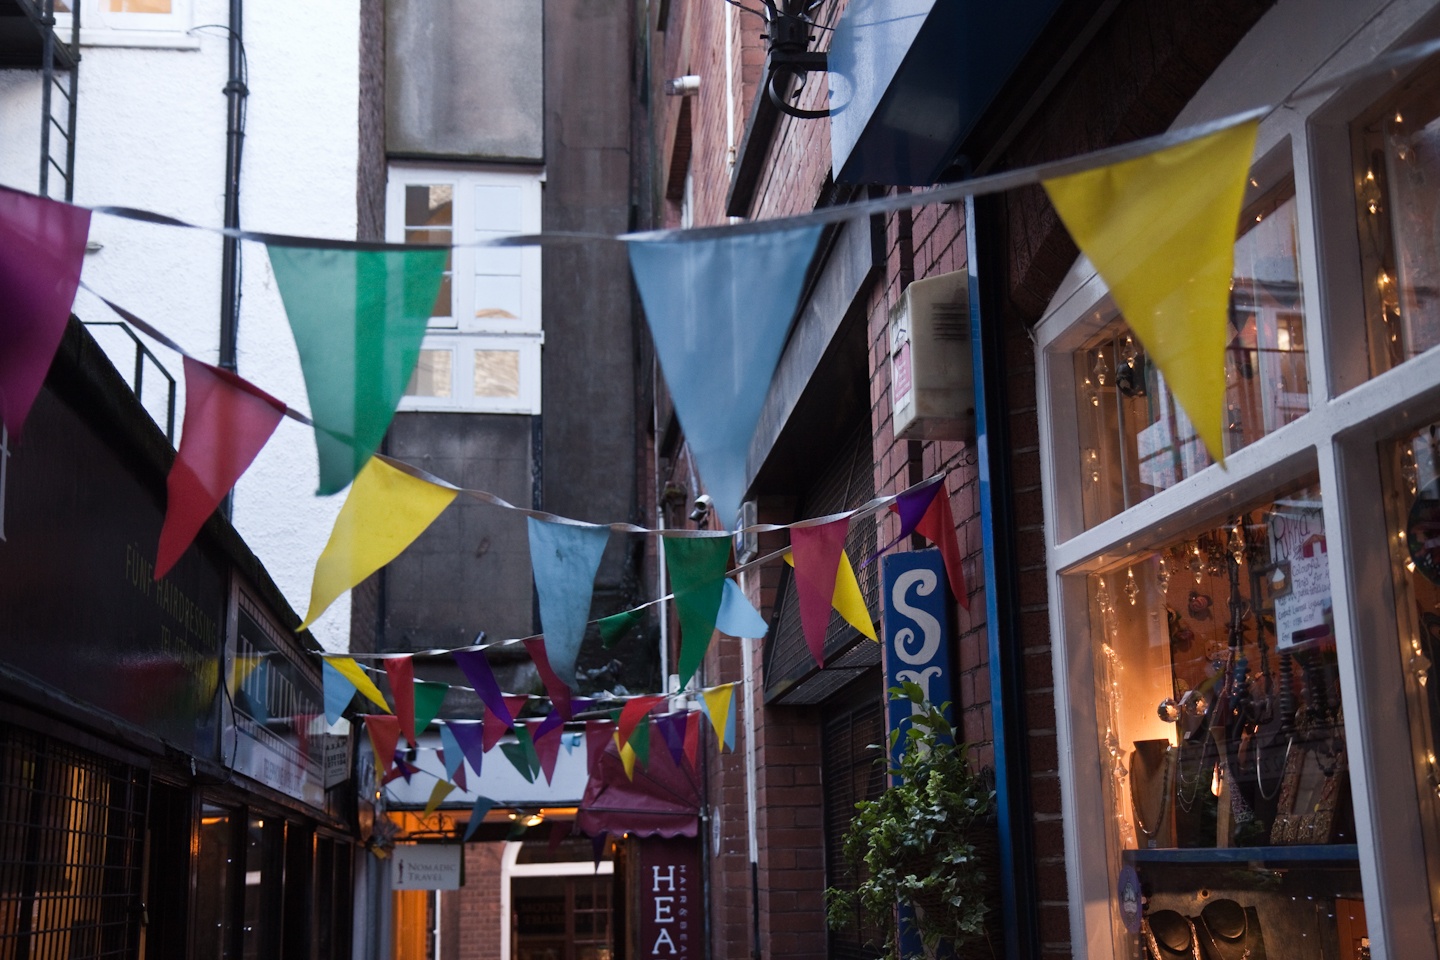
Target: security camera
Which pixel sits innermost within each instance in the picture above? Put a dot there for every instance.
(702, 507)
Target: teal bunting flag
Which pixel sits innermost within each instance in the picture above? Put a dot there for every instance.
(564, 558)
(358, 317)
(697, 575)
(719, 311)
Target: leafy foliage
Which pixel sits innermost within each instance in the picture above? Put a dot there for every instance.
(922, 841)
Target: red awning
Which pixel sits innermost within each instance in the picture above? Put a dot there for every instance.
(662, 801)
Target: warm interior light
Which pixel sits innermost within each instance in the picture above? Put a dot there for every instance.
(534, 820)
(1215, 781)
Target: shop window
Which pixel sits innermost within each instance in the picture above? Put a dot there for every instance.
(130, 23)
(214, 900)
(1221, 728)
(71, 834)
(1134, 439)
(851, 770)
(561, 918)
(1412, 479)
(1396, 149)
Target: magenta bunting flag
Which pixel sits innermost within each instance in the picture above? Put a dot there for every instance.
(384, 731)
(598, 733)
(559, 692)
(938, 526)
(559, 830)
(552, 721)
(470, 739)
(401, 672)
(672, 731)
(817, 561)
(477, 670)
(227, 421)
(547, 746)
(495, 727)
(42, 248)
(634, 712)
(692, 738)
(459, 779)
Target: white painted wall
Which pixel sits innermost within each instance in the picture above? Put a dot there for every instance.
(151, 134)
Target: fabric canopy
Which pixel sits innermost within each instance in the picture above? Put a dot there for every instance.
(662, 801)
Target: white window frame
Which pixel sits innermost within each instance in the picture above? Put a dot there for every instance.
(101, 28)
(462, 332)
(1337, 439)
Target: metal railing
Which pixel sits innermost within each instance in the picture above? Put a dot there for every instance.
(143, 354)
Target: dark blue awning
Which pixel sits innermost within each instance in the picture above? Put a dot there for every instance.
(910, 78)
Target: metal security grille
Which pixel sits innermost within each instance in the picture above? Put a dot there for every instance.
(71, 833)
(791, 676)
(851, 772)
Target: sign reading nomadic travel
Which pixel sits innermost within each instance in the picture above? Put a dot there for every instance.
(426, 866)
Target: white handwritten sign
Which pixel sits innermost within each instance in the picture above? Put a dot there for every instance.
(1304, 613)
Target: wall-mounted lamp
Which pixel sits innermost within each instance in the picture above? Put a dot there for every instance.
(686, 86)
(788, 41)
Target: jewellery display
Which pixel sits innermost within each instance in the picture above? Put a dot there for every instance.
(1168, 935)
(1224, 930)
(1151, 786)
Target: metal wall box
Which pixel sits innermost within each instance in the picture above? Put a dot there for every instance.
(932, 382)
(910, 78)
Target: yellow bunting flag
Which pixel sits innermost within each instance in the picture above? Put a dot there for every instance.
(627, 757)
(717, 706)
(847, 600)
(356, 674)
(384, 512)
(1160, 230)
(243, 667)
(440, 791)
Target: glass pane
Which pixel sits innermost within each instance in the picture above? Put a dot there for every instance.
(498, 298)
(497, 373)
(1134, 439)
(1220, 725)
(139, 6)
(497, 260)
(433, 376)
(212, 898)
(498, 208)
(1397, 194)
(1412, 479)
(429, 205)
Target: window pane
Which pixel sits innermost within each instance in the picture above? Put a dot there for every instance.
(432, 376)
(1134, 439)
(1412, 475)
(429, 205)
(1397, 194)
(1220, 724)
(139, 6)
(498, 297)
(497, 373)
(498, 208)
(496, 260)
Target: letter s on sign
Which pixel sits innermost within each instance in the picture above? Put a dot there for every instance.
(925, 582)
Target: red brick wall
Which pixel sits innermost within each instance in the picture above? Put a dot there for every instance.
(470, 916)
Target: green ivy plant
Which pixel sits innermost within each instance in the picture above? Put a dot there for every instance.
(928, 841)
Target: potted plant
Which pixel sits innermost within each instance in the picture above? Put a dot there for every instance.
(929, 842)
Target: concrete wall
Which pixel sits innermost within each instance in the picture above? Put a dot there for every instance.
(151, 134)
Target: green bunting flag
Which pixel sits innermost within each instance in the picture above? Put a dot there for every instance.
(613, 627)
(429, 696)
(358, 317)
(697, 575)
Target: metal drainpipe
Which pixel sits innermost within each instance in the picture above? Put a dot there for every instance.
(984, 240)
(235, 94)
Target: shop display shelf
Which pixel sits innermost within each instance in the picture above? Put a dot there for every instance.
(1299, 853)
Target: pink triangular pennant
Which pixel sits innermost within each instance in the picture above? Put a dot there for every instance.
(42, 248)
(494, 727)
(401, 673)
(597, 735)
(227, 421)
(817, 552)
(938, 526)
(692, 739)
(547, 746)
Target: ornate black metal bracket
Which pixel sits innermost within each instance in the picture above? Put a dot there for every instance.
(788, 40)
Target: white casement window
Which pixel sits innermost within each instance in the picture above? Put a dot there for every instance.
(482, 353)
(1245, 657)
(131, 23)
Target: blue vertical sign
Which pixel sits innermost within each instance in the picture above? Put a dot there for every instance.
(916, 614)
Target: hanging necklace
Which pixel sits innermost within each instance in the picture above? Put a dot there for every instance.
(1155, 946)
(1194, 783)
(1259, 777)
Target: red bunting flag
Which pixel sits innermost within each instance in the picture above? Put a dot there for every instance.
(227, 422)
(557, 689)
(494, 727)
(384, 731)
(401, 673)
(938, 526)
(634, 712)
(817, 562)
(597, 735)
(692, 739)
(42, 248)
